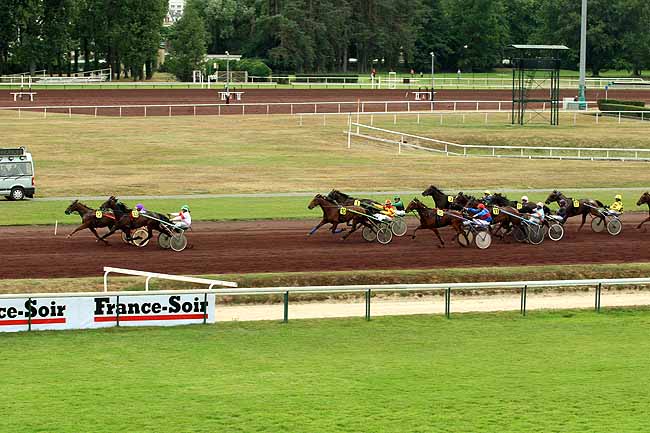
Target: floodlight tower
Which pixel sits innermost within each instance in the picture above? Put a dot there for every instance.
(583, 57)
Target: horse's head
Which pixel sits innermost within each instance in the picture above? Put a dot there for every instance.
(462, 200)
(555, 196)
(111, 203)
(429, 192)
(500, 200)
(316, 201)
(72, 208)
(413, 205)
(645, 198)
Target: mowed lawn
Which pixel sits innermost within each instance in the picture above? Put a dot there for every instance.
(230, 154)
(548, 372)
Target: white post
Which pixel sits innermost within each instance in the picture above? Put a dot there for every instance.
(145, 111)
(349, 130)
(372, 120)
(146, 284)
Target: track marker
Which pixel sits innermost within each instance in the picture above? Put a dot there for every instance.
(56, 226)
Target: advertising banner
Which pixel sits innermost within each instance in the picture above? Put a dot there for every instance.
(96, 311)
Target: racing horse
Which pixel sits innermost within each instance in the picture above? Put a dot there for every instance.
(332, 214)
(429, 219)
(89, 219)
(585, 207)
(644, 199)
(439, 198)
(127, 221)
(344, 199)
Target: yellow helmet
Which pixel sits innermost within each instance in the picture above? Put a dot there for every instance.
(618, 197)
(487, 192)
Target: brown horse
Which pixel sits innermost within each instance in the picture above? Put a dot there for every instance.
(126, 221)
(89, 219)
(429, 219)
(439, 198)
(586, 206)
(335, 215)
(644, 199)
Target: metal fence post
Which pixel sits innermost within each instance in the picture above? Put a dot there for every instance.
(286, 306)
(524, 293)
(117, 311)
(368, 295)
(29, 316)
(205, 306)
(597, 300)
(448, 303)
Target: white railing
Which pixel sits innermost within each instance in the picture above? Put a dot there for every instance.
(428, 144)
(369, 289)
(149, 275)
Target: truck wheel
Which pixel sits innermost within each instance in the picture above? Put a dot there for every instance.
(17, 193)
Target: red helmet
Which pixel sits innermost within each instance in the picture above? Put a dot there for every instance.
(481, 206)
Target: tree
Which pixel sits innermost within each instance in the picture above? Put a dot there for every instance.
(188, 47)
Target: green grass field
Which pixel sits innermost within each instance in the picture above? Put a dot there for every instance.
(183, 155)
(255, 208)
(551, 371)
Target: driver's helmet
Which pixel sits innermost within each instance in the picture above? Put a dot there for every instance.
(487, 192)
(524, 198)
(562, 202)
(618, 197)
(388, 203)
(396, 198)
(481, 206)
(139, 207)
(540, 205)
(185, 208)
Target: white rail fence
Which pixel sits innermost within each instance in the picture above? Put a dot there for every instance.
(268, 108)
(367, 291)
(149, 275)
(404, 141)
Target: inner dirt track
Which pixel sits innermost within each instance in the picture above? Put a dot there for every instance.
(283, 246)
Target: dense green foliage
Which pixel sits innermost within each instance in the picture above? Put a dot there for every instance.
(187, 45)
(549, 372)
(309, 36)
(320, 36)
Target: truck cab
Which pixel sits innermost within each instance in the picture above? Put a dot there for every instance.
(16, 174)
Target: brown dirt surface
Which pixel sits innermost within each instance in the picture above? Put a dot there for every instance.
(351, 98)
(283, 246)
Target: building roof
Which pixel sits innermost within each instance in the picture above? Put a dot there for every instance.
(540, 47)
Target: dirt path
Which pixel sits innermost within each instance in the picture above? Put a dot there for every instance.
(431, 305)
(283, 246)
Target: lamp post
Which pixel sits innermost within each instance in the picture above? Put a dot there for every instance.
(227, 73)
(433, 71)
(583, 57)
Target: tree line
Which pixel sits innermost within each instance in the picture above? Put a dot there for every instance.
(318, 36)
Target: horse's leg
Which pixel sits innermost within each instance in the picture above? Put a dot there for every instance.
(110, 232)
(92, 229)
(333, 229)
(584, 219)
(643, 222)
(355, 227)
(442, 243)
(81, 227)
(413, 236)
(319, 225)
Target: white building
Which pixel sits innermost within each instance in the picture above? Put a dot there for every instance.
(174, 11)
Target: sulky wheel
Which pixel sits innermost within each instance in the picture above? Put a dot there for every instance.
(164, 241)
(465, 238)
(483, 240)
(556, 232)
(399, 227)
(140, 237)
(178, 242)
(535, 234)
(368, 234)
(384, 234)
(519, 233)
(598, 224)
(614, 227)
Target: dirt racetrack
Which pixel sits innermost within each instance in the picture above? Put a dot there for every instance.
(349, 97)
(282, 246)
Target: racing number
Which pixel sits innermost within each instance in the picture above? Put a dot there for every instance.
(496, 211)
(99, 214)
(343, 211)
(576, 203)
(450, 198)
(440, 212)
(519, 206)
(357, 203)
(135, 213)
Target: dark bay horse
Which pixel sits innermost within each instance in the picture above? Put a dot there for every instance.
(89, 219)
(463, 201)
(585, 207)
(644, 199)
(439, 198)
(332, 215)
(429, 219)
(127, 222)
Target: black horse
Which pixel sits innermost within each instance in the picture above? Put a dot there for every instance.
(439, 198)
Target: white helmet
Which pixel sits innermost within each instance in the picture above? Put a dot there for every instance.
(524, 198)
(540, 204)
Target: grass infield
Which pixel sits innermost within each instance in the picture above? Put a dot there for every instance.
(233, 208)
(551, 371)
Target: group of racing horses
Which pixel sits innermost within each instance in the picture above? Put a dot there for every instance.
(115, 215)
(453, 211)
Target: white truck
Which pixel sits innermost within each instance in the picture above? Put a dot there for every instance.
(16, 174)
